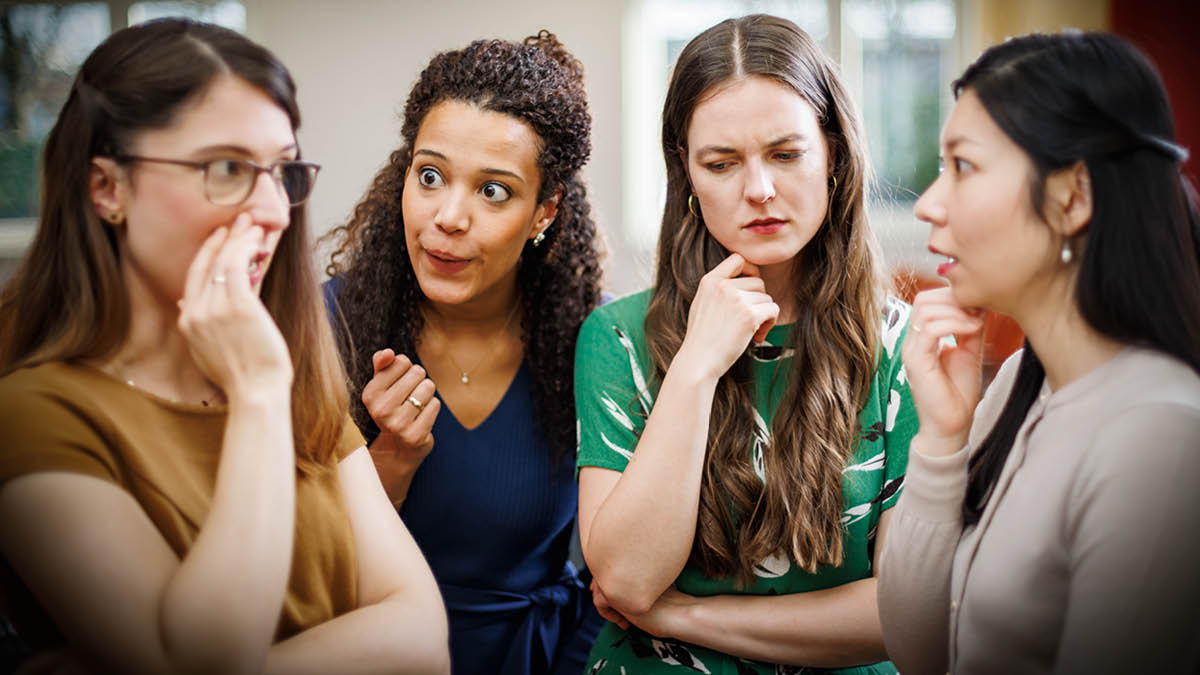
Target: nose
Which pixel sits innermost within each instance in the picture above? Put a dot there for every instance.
(268, 203)
(759, 187)
(930, 207)
(453, 214)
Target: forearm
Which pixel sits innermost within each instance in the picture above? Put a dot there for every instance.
(915, 564)
(401, 634)
(830, 628)
(220, 608)
(641, 536)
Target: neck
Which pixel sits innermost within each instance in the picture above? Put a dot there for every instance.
(483, 314)
(1066, 344)
(155, 354)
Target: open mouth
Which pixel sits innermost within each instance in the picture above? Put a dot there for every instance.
(257, 268)
(945, 267)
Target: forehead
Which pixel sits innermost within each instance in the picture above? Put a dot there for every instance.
(229, 112)
(471, 136)
(969, 123)
(751, 111)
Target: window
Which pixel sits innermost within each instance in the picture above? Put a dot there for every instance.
(42, 46)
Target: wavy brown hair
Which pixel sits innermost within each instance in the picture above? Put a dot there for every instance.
(138, 79)
(838, 299)
(538, 82)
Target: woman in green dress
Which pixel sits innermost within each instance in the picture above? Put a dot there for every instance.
(744, 424)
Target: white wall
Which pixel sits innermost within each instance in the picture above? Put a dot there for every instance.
(355, 60)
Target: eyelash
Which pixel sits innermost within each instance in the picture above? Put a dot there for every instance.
(427, 170)
(783, 156)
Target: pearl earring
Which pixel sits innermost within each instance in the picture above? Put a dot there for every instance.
(541, 236)
(1065, 254)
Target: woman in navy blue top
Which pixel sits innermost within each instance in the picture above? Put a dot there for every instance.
(459, 287)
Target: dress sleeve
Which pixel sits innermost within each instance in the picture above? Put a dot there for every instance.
(41, 430)
(1134, 599)
(900, 423)
(351, 439)
(612, 401)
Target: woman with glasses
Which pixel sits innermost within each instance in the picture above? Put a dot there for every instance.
(181, 488)
(461, 282)
(1050, 526)
(744, 424)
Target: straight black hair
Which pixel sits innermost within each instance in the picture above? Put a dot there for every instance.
(1092, 97)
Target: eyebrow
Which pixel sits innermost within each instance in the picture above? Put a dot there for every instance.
(723, 149)
(955, 141)
(238, 150)
(487, 170)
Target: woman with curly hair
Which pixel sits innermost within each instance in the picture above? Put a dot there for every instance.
(460, 284)
(744, 425)
(181, 487)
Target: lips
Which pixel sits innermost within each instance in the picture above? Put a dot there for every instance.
(257, 268)
(445, 262)
(765, 226)
(944, 268)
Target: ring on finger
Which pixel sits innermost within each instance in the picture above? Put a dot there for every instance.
(219, 279)
(416, 404)
(916, 328)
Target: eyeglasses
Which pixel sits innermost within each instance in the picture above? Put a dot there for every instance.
(228, 182)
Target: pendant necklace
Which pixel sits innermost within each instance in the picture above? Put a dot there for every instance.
(465, 373)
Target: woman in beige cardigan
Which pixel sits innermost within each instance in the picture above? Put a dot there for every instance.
(1052, 529)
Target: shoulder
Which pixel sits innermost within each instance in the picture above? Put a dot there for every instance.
(624, 316)
(52, 417)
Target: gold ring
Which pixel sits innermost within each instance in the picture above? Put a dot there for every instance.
(416, 404)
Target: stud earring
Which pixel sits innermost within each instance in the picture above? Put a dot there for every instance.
(692, 208)
(1065, 253)
(541, 236)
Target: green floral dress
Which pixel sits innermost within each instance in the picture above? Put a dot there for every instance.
(613, 398)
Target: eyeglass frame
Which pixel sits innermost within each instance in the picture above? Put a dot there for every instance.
(258, 169)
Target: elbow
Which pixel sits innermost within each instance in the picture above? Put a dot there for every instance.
(631, 597)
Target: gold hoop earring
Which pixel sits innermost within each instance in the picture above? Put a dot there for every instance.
(832, 184)
(692, 208)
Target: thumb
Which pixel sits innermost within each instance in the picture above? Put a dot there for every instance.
(382, 359)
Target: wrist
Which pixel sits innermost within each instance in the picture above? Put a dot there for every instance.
(692, 368)
(937, 445)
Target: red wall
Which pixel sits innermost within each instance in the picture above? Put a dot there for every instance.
(1168, 31)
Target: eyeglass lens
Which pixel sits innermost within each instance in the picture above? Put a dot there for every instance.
(231, 181)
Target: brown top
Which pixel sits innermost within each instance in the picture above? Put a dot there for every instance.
(69, 417)
(1086, 557)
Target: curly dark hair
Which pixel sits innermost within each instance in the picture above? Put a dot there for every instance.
(536, 81)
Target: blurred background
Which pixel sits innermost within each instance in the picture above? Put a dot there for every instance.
(355, 60)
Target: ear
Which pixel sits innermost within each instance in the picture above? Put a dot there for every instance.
(545, 214)
(106, 187)
(1069, 193)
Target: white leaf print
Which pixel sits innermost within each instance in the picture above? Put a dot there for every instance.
(627, 454)
(893, 408)
(761, 436)
(617, 413)
(901, 376)
(671, 652)
(773, 566)
(873, 464)
(599, 666)
(855, 513)
(639, 379)
(895, 318)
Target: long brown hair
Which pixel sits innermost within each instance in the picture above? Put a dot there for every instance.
(139, 79)
(540, 83)
(838, 298)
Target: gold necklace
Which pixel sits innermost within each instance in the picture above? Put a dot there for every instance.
(465, 373)
(204, 401)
